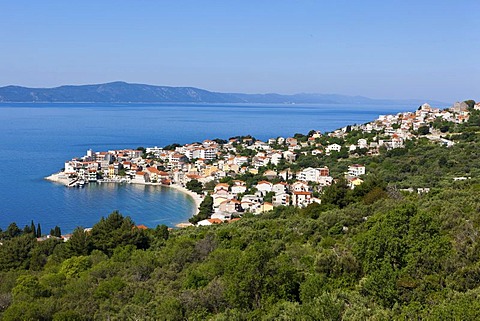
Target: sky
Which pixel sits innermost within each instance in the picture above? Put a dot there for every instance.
(394, 49)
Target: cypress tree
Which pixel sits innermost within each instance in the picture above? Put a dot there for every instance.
(39, 230)
(57, 231)
(32, 228)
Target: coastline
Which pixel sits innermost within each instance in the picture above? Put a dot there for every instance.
(197, 199)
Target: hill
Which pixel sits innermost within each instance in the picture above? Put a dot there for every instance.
(374, 252)
(121, 92)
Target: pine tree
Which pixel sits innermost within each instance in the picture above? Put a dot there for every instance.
(27, 230)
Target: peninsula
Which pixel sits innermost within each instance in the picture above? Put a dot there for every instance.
(245, 175)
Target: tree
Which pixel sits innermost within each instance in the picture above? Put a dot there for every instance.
(13, 230)
(161, 231)
(205, 210)
(32, 228)
(56, 232)
(39, 230)
(117, 230)
(470, 103)
(423, 130)
(79, 243)
(16, 253)
(269, 197)
(195, 186)
(337, 194)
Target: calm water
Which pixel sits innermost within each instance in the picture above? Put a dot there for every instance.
(36, 139)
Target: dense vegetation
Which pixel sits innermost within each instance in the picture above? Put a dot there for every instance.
(375, 253)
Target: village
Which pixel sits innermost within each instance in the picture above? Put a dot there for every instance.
(223, 169)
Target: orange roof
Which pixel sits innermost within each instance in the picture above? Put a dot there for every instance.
(153, 170)
(222, 184)
(264, 182)
(215, 220)
(302, 193)
(356, 165)
(142, 227)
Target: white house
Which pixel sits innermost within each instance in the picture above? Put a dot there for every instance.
(301, 199)
(310, 174)
(264, 187)
(238, 187)
(333, 148)
(300, 186)
(280, 187)
(356, 170)
(281, 199)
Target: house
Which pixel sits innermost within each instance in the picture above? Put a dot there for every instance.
(248, 206)
(332, 148)
(260, 161)
(264, 187)
(291, 141)
(289, 156)
(155, 175)
(230, 206)
(354, 182)
(269, 174)
(222, 216)
(300, 186)
(362, 143)
(265, 207)
(240, 160)
(252, 199)
(313, 174)
(281, 199)
(356, 170)
(219, 199)
(308, 174)
(141, 177)
(275, 158)
(238, 187)
(280, 187)
(301, 199)
(209, 221)
(221, 188)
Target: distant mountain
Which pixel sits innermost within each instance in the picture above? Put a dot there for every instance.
(121, 92)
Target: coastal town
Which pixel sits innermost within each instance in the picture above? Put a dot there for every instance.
(246, 175)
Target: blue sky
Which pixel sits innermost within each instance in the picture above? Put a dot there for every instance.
(380, 49)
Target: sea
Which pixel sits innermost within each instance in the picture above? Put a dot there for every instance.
(37, 138)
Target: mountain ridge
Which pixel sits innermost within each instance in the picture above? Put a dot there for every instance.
(122, 92)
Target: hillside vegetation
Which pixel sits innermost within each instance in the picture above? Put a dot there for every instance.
(372, 253)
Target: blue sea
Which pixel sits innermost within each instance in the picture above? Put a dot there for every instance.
(36, 139)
